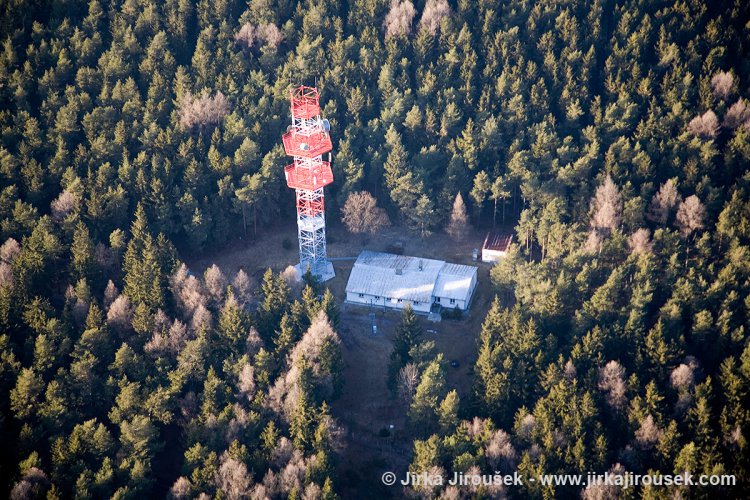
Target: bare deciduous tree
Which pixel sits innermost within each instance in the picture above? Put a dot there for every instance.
(361, 214)
(103, 255)
(593, 242)
(705, 125)
(202, 111)
(500, 451)
(606, 206)
(737, 114)
(399, 18)
(232, 478)
(640, 241)
(110, 293)
(690, 215)
(458, 226)
(120, 313)
(663, 202)
(253, 342)
(64, 205)
(241, 286)
(215, 283)
(569, 371)
(722, 84)
(682, 377)
(612, 380)
(33, 485)
(173, 342)
(434, 13)
(187, 290)
(526, 426)
(246, 35)
(201, 318)
(246, 382)
(10, 250)
(180, 490)
(599, 490)
(648, 434)
(6, 275)
(408, 379)
(284, 394)
(268, 34)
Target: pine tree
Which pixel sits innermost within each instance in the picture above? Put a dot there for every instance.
(142, 267)
(408, 335)
(423, 216)
(479, 192)
(82, 253)
(425, 408)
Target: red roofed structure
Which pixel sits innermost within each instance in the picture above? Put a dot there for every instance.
(496, 246)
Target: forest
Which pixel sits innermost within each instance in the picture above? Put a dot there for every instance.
(611, 136)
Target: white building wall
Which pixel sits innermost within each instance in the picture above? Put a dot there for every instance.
(367, 300)
(445, 302)
(492, 255)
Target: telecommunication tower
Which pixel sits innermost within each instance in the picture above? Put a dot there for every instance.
(307, 139)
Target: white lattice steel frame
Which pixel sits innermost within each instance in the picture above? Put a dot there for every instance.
(306, 141)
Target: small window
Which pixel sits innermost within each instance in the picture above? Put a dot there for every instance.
(416, 303)
(437, 299)
(361, 295)
(453, 301)
(399, 301)
(377, 298)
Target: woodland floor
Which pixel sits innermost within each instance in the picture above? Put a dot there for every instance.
(366, 406)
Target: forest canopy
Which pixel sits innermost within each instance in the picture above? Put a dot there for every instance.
(612, 137)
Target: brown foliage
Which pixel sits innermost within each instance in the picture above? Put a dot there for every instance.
(640, 241)
(180, 490)
(215, 283)
(361, 214)
(663, 202)
(434, 13)
(241, 287)
(612, 380)
(232, 478)
(64, 205)
(722, 84)
(737, 114)
(606, 206)
(120, 313)
(690, 215)
(266, 34)
(705, 125)
(458, 226)
(9, 250)
(202, 111)
(648, 434)
(399, 18)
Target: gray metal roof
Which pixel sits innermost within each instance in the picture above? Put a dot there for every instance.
(409, 278)
(454, 281)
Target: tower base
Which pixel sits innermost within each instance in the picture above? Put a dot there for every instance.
(326, 275)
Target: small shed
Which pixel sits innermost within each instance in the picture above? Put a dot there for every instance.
(496, 246)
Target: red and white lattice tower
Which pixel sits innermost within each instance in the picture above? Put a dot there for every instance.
(307, 139)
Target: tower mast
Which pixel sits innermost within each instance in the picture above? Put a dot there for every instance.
(307, 139)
